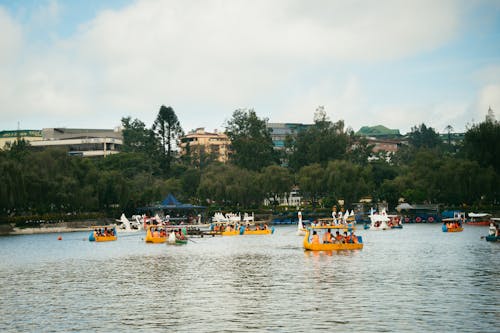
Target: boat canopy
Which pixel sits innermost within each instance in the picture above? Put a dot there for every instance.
(479, 214)
(170, 202)
(452, 219)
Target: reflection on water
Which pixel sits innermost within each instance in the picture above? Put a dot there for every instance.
(410, 280)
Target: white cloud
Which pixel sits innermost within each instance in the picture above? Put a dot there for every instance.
(489, 96)
(11, 39)
(207, 58)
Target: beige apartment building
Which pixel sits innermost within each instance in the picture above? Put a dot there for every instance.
(199, 143)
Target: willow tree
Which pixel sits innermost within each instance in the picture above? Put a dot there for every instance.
(167, 130)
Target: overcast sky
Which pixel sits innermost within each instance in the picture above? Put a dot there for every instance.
(87, 64)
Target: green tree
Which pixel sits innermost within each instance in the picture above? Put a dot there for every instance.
(348, 181)
(251, 141)
(320, 143)
(167, 130)
(137, 138)
(360, 151)
(276, 182)
(311, 180)
(482, 144)
(229, 185)
(424, 137)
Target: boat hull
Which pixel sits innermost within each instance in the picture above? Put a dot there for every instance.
(491, 238)
(478, 223)
(332, 247)
(105, 238)
(230, 233)
(459, 229)
(259, 232)
(155, 240)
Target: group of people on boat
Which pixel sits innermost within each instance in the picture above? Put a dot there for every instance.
(329, 238)
(257, 227)
(219, 227)
(178, 234)
(394, 222)
(452, 224)
(158, 232)
(104, 232)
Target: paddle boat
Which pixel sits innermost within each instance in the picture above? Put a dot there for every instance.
(395, 222)
(493, 231)
(177, 236)
(103, 234)
(233, 231)
(126, 225)
(452, 225)
(263, 230)
(313, 241)
(226, 229)
(301, 229)
(479, 219)
(156, 234)
(492, 238)
(379, 221)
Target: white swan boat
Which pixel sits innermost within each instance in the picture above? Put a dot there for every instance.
(379, 221)
(125, 225)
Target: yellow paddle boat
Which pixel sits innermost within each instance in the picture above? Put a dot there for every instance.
(156, 234)
(452, 225)
(231, 232)
(262, 231)
(313, 241)
(226, 229)
(103, 234)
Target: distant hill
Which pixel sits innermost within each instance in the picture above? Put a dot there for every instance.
(378, 130)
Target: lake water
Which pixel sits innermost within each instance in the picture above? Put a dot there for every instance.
(411, 280)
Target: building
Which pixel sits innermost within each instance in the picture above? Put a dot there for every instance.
(198, 143)
(387, 145)
(382, 138)
(280, 131)
(9, 137)
(490, 116)
(82, 142)
(294, 199)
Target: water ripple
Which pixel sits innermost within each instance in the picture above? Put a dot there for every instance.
(411, 280)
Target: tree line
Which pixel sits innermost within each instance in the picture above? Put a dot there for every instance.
(326, 161)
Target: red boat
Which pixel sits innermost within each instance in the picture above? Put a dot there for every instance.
(480, 219)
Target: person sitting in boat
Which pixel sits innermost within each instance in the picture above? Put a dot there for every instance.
(338, 238)
(266, 227)
(354, 238)
(228, 228)
(315, 238)
(327, 237)
(180, 235)
(347, 238)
